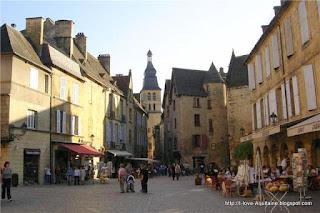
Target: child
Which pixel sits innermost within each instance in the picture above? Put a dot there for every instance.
(130, 183)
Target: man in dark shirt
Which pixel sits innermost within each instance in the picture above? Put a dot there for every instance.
(144, 179)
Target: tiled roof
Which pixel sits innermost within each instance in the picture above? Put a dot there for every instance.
(238, 72)
(12, 41)
(53, 56)
(123, 83)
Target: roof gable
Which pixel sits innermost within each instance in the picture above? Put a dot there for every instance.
(238, 72)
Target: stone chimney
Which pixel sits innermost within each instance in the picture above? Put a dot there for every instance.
(81, 42)
(104, 60)
(34, 30)
(63, 35)
(13, 25)
(264, 28)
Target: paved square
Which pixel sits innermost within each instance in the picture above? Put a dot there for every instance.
(164, 195)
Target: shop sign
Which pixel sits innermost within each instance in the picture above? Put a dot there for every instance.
(32, 152)
(304, 129)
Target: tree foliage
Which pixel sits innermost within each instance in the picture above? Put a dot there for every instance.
(243, 151)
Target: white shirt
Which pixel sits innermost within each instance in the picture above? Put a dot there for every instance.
(252, 173)
(284, 164)
(47, 171)
(76, 172)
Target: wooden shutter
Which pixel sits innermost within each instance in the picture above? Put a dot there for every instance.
(124, 130)
(296, 95)
(252, 113)
(275, 51)
(273, 102)
(204, 141)
(64, 120)
(63, 88)
(108, 131)
(288, 36)
(75, 93)
(267, 60)
(114, 132)
(79, 126)
(258, 110)
(194, 141)
(34, 78)
(303, 19)
(58, 124)
(259, 68)
(284, 105)
(288, 90)
(120, 132)
(252, 83)
(310, 87)
(266, 110)
(72, 124)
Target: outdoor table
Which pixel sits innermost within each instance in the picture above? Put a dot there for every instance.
(273, 196)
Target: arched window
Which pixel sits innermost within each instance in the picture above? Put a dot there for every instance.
(154, 107)
(154, 96)
(149, 96)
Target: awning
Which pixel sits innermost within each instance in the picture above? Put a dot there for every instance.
(144, 159)
(310, 125)
(261, 133)
(82, 149)
(120, 153)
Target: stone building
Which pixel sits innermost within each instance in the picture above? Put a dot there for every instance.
(25, 107)
(136, 120)
(238, 102)
(284, 79)
(195, 117)
(150, 98)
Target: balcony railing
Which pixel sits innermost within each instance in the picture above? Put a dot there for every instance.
(122, 118)
(111, 114)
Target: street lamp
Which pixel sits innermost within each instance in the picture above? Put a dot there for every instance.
(273, 117)
(242, 131)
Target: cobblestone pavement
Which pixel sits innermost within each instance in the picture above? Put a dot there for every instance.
(164, 196)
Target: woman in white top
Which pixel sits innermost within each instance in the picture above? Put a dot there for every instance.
(82, 175)
(47, 174)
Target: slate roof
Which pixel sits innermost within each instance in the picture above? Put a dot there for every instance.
(190, 82)
(137, 96)
(138, 105)
(52, 56)
(13, 42)
(166, 91)
(150, 81)
(237, 73)
(122, 82)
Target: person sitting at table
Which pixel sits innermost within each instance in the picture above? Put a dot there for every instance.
(233, 172)
(220, 175)
(227, 174)
(311, 171)
(284, 163)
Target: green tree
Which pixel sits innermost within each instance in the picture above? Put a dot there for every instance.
(243, 151)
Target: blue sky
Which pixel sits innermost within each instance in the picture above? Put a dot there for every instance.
(184, 34)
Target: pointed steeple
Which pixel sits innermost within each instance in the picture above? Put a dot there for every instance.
(213, 75)
(150, 80)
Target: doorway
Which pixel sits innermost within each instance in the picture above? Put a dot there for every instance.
(31, 166)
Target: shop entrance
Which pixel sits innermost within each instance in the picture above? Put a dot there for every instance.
(31, 166)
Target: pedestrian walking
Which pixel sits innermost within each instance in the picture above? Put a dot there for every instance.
(82, 175)
(129, 172)
(47, 173)
(58, 174)
(122, 177)
(177, 170)
(76, 174)
(69, 175)
(6, 181)
(173, 171)
(144, 179)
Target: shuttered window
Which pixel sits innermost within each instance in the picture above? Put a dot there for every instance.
(31, 119)
(253, 116)
(266, 110)
(72, 124)
(284, 105)
(34, 78)
(273, 102)
(252, 83)
(258, 110)
(63, 88)
(75, 93)
(303, 19)
(288, 36)
(310, 87)
(296, 95)
(79, 126)
(259, 68)
(267, 60)
(275, 51)
(58, 121)
(64, 122)
(108, 131)
(289, 100)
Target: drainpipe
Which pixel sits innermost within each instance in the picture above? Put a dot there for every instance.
(50, 126)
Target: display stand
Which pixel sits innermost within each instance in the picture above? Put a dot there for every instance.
(299, 169)
(259, 175)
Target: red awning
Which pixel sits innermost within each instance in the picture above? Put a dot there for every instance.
(82, 149)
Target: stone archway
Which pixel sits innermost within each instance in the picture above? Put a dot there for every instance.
(266, 160)
(284, 151)
(274, 151)
(298, 145)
